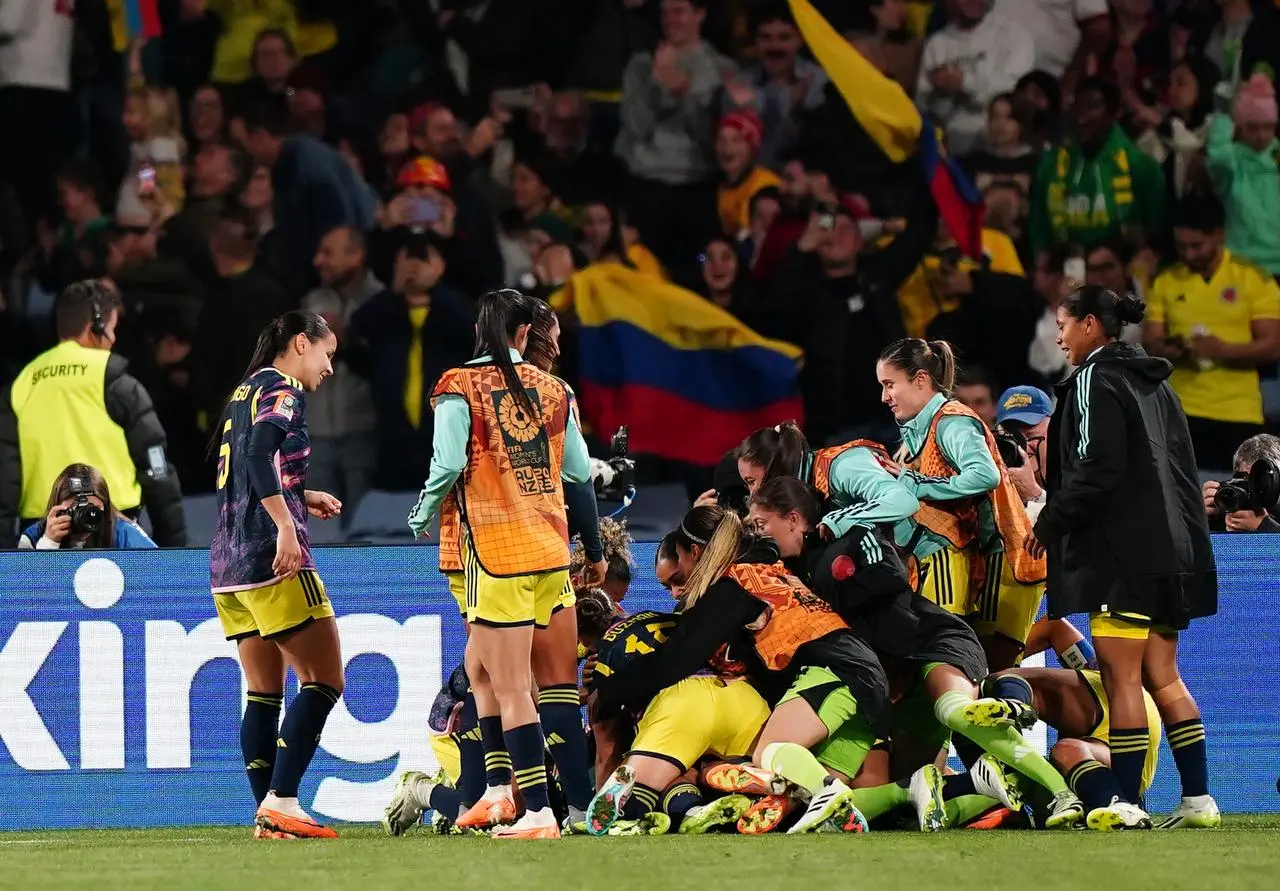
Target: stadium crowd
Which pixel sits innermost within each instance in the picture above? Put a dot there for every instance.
(386, 167)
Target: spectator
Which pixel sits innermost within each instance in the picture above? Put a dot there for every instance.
(1065, 33)
(762, 213)
(207, 117)
(81, 515)
(1006, 212)
(1005, 155)
(668, 107)
(722, 280)
(76, 404)
(840, 309)
(35, 95)
(1052, 284)
(976, 388)
(1263, 447)
(493, 38)
(1246, 173)
(272, 57)
(1096, 183)
(587, 172)
(738, 137)
(779, 86)
(1108, 264)
(1217, 317)
(405, 338)
(891, 44)
(341, 414)
(65, 257)
(1175, 136)
(1225, 41)
(608, 238)
(1138, 57)
(153, 181)
(306, 92)
(243, 301)
(315, 189)
(1040, 95)
(1025, 412)
(978, 56)
(216, 168)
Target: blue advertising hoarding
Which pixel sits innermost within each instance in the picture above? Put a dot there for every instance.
(120, 700)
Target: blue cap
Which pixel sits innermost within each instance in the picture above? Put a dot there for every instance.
(1025, 405)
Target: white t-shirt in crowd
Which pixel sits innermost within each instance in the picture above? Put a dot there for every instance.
(993, 55)
(38, 52)
(1053, 27)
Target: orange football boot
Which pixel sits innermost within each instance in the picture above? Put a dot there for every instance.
(486, 814)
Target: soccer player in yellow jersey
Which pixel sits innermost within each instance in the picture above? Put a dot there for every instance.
(505, 432)
(1217, 318)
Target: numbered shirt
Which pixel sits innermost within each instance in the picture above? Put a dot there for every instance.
(244, 540)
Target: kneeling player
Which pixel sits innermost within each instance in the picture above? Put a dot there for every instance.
(1075, 704)
(715, 712)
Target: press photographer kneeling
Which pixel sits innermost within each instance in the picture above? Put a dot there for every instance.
(1247, 501)
(81, 516)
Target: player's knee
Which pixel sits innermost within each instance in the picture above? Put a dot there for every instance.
(1171, 695)
(1067, 753)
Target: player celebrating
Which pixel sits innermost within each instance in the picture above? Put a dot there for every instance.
(268, 594)
(506, 432)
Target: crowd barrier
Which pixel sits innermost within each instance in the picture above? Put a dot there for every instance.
(120, 700)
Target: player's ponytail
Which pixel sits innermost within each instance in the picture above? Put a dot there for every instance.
(501, 315)
(913, 356)
(779, 450)
(541, 350)
(719, 549)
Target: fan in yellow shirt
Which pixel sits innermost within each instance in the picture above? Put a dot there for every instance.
(738, 137)
(1217, 318)
(918, 299)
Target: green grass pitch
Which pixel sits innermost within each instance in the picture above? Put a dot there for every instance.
(1244, 855)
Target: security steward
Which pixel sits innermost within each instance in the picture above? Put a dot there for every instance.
(74, 404)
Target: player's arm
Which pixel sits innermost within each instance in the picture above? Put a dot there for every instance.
(878, 573)
(704, 628)
(964, 443)
(857, 476)
(1101, 460)
(129, 405)
(448, 458)
(584, 519)
(577, 459)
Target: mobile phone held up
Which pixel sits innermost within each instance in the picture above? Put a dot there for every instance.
(146, 180)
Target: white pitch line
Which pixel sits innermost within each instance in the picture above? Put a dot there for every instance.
(68, 841)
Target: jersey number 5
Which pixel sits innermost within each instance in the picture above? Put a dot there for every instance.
(224, 455)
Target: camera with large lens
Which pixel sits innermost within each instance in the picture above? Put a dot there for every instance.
(1012, 446)
(618, 476)
(86, 516)
(1256, 490)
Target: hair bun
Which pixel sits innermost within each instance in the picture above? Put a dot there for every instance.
(1131, 308)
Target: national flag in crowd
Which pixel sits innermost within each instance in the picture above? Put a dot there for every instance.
(688, 379)
(133, 19)
(885, 111)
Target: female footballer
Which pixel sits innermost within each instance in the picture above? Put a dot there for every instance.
(1127, 537)
(269, 597)
(968, 534)
(505, 430)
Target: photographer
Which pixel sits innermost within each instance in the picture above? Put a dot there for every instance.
(81, 516)
(1022, 434)
(1255, 510)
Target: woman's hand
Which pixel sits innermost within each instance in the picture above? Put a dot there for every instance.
(322, 505)
(707, 499)
(288, 553)
(1210, 493)
(58, 524)
(1033, 545)
(593, 574)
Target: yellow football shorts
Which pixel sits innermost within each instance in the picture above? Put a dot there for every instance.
(273, 610)
(1127, 626)
(1007, 607)
(458, 588)
(944, 579)
(518, 600)
(700, 716)
(1102, 733)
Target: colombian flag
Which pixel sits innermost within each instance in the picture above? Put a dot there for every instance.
(689, 380)
(131, 19)
(884, 110)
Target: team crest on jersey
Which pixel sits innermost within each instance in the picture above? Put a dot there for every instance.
(527, 446)
(1229, 295)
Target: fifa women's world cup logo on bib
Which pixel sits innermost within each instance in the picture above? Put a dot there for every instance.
(527, 446)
